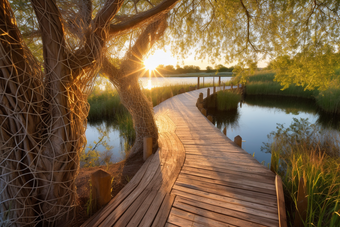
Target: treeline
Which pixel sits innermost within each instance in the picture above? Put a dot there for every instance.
(170, 69)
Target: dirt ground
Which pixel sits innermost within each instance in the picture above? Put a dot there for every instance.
(122, 172)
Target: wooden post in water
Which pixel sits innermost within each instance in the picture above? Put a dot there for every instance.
(198, 82)
(204, 112)
(219, 81)
(101, 189)
(302, 204)
(225, 131)
(210, 118)
(200, 97)
(238, 141)
(208, 92)
(147, 147)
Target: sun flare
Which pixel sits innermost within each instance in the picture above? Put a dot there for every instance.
(150, 64)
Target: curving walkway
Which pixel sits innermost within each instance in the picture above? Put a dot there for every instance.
(198, 177)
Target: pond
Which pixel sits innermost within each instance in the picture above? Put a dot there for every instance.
(116, 143)
(257, 116)
(165, 81)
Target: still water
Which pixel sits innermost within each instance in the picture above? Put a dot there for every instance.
(257, 116)
(253, 120)
(116, 143)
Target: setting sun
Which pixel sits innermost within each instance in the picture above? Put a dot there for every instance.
(159, 57)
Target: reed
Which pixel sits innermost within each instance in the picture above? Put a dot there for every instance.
(305, 151)
(274, 88)
(227, 100)
(329, 100)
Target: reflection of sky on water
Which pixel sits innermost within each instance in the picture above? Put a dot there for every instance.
(165, 81)
(255, 122)
(114, 139)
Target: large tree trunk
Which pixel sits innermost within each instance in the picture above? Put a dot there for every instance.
(141, 110)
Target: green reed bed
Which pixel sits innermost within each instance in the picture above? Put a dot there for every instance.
(105, 104)
(227, 100)
(273, 88)
(329, 100)
(305, 151)
(262, 77)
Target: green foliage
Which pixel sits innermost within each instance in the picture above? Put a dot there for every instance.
(125, 125)
(307, 151)
(273, 88)
(261, 77)
(329, 100)
(227, 100)
(93, 157)
(104, 101)
(310, 70)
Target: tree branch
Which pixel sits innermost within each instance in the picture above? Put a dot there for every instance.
(248, 26)
(151, 14)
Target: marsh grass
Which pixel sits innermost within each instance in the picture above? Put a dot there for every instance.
(329, 100)
(262, 77)
(304, 150)
(273, 88)
(227, 100)
(105, 104)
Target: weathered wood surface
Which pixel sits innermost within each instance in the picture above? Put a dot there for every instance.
(198, 177)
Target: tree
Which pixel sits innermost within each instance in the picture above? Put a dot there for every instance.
(43, 107)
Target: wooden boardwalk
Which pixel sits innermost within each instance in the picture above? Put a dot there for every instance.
(198, 177)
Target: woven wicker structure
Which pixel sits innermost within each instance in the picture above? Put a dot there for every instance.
(43, 106)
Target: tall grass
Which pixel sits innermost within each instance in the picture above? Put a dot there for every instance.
(105, 104)
(227, 100)
(329, 100)
(305, 151)
(273, 88)
(262, 77)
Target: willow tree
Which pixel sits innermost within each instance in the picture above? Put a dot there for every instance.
(43, 105)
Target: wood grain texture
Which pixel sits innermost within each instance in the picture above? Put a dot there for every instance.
(198, 177)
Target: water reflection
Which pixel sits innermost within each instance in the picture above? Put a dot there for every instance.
(112, 148)
(259, 116)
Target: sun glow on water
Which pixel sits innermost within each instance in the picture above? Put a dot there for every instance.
(149, 84)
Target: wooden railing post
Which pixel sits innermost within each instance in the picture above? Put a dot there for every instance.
(302, 204)
(147, 147)
(219, 81)
(214, 90)
(208, 92)
(204, 112)
(101, 188)
(238, 141)
(281, 206)
(198, 82)
(210, 118)
(225, 131)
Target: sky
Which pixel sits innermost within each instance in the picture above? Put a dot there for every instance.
(161, 57)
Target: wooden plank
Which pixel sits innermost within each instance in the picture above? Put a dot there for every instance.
(196, 220)
(232, 167)
(269, 178)
(239, 194)
(164, 211)
(185, 178)
(134, 182)
(231, 216)
(229, 178)
(280, 202)
(215, 215)
(229, 203)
